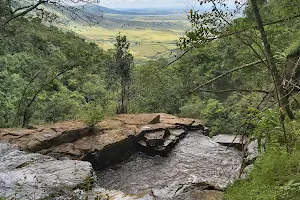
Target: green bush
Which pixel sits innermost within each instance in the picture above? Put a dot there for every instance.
(268, 127)
(211, 112)
(228, 117)
(91, 114)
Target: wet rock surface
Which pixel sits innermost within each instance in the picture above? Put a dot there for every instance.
(196, 161)
(35, 176)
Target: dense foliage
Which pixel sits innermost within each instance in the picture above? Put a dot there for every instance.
(48, 75)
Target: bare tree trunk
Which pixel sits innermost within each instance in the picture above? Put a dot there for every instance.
(283, 97)
(122, 107)
(123, 98)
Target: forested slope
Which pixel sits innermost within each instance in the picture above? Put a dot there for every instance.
(48, 75)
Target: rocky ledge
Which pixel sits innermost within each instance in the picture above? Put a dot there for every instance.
(115, 140)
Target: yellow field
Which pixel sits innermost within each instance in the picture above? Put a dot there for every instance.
(146, 43)
(143, 35)
(146, 51)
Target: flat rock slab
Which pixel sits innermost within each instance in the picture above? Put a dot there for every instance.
(76, 141)
(35, 176)
(237, 141)
(43, 137)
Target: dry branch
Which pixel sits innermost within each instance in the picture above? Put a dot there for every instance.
(233, 90)
(226, 73)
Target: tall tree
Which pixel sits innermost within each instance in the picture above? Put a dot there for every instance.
(282, 95)
(121, 70)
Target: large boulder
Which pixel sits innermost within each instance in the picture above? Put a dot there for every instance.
(35, 176)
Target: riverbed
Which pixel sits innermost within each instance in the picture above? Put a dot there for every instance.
(195, 161)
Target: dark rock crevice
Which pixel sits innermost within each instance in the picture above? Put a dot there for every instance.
(112, 154)
(65, 137)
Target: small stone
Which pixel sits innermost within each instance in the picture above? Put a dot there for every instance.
(29, 126)
(155, 120)
(252, 152)
(206, 131)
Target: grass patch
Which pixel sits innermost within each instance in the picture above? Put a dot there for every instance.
(133, 35)
(276, 175)
(152, 50)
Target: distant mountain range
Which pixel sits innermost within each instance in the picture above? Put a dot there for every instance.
(97, 10)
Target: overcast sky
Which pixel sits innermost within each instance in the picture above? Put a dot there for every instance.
(148, 3)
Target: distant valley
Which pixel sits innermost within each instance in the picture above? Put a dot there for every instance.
(96, 9)
(151, 32)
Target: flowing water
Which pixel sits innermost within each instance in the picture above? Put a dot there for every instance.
(195, 159)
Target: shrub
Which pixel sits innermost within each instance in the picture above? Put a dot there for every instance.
(91, 114)
(211, 112)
